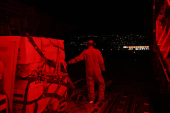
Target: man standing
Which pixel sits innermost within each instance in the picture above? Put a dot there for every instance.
(94, 67)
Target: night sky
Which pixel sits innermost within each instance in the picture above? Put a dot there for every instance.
(94, 17)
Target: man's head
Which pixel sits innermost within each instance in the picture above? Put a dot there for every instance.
(90, 43)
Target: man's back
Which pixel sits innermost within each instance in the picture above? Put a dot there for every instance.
(93, 59)
(94, 65)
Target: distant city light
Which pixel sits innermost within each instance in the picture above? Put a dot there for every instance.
(137, 47)
(130, 49)
(114, 42)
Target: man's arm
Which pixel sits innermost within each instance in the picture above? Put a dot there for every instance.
(101, 61)
(77, 59)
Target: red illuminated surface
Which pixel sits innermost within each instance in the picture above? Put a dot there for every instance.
(168, 1)
(21, 55)
(8, 52)
(163, 39)
(29, 62)
(94, 66)
(20, 58)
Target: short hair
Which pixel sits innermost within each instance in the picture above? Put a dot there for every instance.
(90, 42)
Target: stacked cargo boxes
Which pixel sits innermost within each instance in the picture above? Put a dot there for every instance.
(28, 58)
(59, 95)
(26, 96)
(31, 94)
(54, 50)
(25, 92)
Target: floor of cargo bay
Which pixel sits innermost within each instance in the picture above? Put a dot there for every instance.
(131, 76)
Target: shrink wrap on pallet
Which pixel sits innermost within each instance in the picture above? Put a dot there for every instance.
(32, 92)
(27, 53)
(27, 94)
(53, 49)
(25, 70)
(50, 51)
(61, 92)
(29, 59)
(55, 106)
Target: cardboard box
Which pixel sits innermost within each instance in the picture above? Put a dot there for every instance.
(50, 51)
(27, 53)
(28, 69)
(53, 49)
(35, 90)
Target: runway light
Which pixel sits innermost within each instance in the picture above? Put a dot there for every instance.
(102, 49)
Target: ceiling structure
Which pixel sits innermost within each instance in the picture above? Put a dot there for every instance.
(95, 17)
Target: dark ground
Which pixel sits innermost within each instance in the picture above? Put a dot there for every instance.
(130, 72)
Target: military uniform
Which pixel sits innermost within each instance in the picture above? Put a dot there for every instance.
(94, 66)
